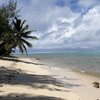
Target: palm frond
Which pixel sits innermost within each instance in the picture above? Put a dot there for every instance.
(27, 43)
(21, 34)
(24, 47)
(23, 23)
(17, 24)
(20, 48)
(30, 37)
(25, 28)
(27, 32)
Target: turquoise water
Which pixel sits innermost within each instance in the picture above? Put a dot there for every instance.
(81, 61)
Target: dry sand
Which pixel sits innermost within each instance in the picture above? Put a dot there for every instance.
(27, 79)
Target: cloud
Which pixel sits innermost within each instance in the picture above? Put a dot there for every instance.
(88, 32)
(50, 19)
(42, 15)
(63, 23)
(64, 33)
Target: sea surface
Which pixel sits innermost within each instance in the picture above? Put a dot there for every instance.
(88, 62)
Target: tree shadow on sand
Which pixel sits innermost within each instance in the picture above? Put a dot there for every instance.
(13, 76)
(18, 60)
(26, 97)
(18, 77)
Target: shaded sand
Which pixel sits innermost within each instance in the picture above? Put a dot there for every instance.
(24, 79)
(28, 79)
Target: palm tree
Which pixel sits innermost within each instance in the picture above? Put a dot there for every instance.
(21, 33)
(19, 36)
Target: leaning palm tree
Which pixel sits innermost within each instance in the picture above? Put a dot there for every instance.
(19, 36)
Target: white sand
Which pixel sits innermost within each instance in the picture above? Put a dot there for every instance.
(79, 83)
(37, 82)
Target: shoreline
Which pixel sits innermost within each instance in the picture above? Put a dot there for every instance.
(80, 71)
(81, 77)
(81, 84)
(25, 79)
(51, 83)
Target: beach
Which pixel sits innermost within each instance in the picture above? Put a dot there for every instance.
(30, 79)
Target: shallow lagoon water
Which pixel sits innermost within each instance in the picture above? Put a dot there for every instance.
(88, 62)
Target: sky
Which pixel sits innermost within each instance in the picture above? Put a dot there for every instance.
(68, 24)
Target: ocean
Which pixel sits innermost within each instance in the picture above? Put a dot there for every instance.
(88, 62)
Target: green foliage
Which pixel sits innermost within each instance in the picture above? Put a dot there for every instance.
(13, 31)
(7, 13)
(21, 33)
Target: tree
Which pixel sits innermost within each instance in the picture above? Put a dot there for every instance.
(7, 13)
(13, 32)
(19, 36)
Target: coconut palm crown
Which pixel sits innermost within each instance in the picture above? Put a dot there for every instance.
(20, 36)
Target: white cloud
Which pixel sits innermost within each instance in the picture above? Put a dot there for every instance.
(58, 26)
(88, 32)
(63, 33)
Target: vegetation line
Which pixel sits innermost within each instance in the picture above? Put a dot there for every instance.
(14, 33)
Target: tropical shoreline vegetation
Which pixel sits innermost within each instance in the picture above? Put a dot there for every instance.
(14, 33)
